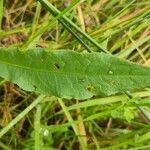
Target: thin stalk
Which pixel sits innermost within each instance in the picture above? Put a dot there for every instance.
(1, 12)
(4, 147)
(56, 12)
(76, 36)
(122, 10)
(140, 108)
(36, 18)
(21, 115)
(37, 127)
(68, 115)
(107, 100)
(34, 38)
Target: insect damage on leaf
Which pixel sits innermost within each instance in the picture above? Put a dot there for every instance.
(68, 74)
(91, 88)
(57, 66)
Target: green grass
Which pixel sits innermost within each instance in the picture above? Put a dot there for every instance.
(30, 121)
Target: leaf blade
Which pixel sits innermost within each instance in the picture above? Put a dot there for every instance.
(69, 74)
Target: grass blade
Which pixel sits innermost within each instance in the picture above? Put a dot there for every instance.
(1, 13)
(21, 115)
(56, 12)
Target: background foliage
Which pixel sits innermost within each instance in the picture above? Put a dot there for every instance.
(115, 122)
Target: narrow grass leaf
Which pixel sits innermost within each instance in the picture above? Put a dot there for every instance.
(1, 13)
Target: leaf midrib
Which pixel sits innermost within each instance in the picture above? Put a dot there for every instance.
(56, 72)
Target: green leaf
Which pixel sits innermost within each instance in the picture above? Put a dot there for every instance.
(68, 74)
(2, 11)
(129, 113)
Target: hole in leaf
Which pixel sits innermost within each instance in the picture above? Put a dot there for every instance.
(57, 66)
(91, 88)
(113, 82)
(82, 80)
(35, 87)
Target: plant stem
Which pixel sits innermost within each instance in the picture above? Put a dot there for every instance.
(56, 12)
(37, 127)
(1, 13)
(21, 115)
(68, 115)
